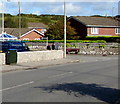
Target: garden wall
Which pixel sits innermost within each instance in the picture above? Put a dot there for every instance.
(34, 56)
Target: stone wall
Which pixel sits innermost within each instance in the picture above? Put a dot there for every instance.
(85, 48)
(99, 48)
(34, 56)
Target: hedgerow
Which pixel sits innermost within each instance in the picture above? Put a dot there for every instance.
(106, 38)
(69, 41)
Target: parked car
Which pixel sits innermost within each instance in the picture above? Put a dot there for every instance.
(19, 46)
(76, 50)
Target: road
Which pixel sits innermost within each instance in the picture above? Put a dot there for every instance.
(93, 79)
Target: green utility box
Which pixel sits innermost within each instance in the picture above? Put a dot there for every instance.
(11, 57)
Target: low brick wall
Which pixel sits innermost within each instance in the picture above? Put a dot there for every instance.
(34, 56)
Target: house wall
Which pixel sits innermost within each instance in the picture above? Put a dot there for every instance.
(31, 36)
(80, 28)
(103, 32)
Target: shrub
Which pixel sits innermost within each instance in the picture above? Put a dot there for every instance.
(68, 45)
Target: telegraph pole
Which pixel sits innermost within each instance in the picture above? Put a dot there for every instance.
(2, 16)
(3, 30)
(64, 29)
(19, 19)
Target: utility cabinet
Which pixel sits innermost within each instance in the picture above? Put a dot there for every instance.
(11, 57)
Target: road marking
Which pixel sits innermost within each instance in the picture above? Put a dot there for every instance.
(17, 86)
(60, 74)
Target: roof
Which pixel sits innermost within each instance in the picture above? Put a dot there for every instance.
(35, 30)
(36, 25)
(31, 25)
(97, 21)
(5, 36)
(15, 31)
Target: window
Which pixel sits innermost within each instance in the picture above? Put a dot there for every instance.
(117, 31)
(94, 30)
(37, 39)
(26, 39)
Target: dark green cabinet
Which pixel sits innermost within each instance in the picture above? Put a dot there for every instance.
(11, 57)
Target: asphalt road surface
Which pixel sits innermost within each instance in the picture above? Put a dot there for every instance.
(93, 79)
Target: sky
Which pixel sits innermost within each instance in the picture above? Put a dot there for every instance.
(73, 8)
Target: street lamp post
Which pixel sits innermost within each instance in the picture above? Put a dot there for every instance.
(64, 29)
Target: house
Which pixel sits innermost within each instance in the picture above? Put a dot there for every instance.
(15, 31)
(94, 26)
(33, 34)
(35, 31)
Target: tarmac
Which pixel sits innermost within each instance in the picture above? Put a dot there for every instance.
(33, 65)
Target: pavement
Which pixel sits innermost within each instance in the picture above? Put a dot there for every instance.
(69, 59)
(32, 65)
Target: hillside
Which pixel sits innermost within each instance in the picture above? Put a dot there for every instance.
(12, 21)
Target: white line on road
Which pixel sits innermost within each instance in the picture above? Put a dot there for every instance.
(60, 74)
(17, 86)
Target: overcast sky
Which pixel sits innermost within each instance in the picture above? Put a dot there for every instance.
(76, 8)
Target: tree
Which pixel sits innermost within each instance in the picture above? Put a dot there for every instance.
(117, 16)
(56, 31)
(71, 33)
(96, 16)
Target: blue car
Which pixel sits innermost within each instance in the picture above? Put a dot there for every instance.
(19, 46)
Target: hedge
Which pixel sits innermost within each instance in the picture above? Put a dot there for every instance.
(106, 38)
(69, 41)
